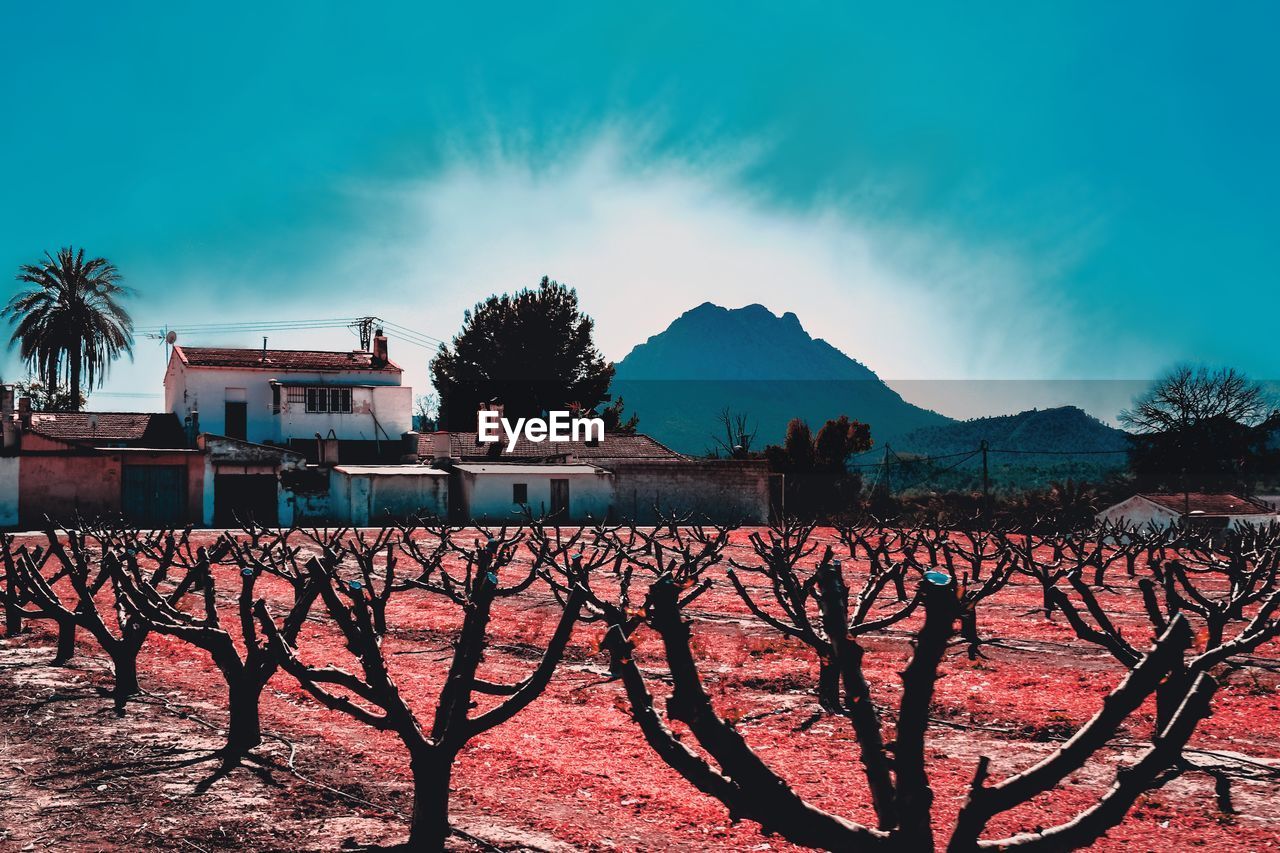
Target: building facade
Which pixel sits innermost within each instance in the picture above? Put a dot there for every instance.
(292, 398)
(1220, 511)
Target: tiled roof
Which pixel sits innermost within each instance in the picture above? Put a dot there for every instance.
(153, 429)
(545, 470)
(1209, 504)
(463, 445)
(280, 359)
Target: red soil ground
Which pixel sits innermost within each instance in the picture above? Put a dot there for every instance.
(573, 772)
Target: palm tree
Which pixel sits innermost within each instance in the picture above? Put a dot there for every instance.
(70, 320)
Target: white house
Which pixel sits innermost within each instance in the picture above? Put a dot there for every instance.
(1212, 510)
(567, 492)
(289, 397)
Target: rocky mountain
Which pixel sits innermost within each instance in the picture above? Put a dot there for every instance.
(750, 360)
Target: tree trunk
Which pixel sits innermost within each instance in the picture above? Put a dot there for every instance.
(75, 377)
(1169, 695)
(829, 686)
(244, 730)
(969, 631)
(431, 775)
(126, 678)
(12, 617)
(66, 642)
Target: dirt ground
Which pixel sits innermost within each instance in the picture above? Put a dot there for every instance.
(571, 772)
(74, 775)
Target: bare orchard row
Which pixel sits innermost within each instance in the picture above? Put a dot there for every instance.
(826, 590)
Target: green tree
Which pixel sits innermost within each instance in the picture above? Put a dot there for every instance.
(69, 322)
(616, 421)
(48, 399)
(532, 352)
(818, 480)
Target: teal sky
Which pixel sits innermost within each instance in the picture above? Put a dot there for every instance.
(1000, 190)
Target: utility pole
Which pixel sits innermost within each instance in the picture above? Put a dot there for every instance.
(986, 480)
(884, 470)
(364, 326)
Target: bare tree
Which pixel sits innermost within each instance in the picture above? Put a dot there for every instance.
(373, 697)
(737, 437)
(1188, 395)
(1233, 582)
(901, 793)
(246, 673)
(87, 572)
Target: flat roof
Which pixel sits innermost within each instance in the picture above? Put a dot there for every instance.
(392, 470)
(471, 468)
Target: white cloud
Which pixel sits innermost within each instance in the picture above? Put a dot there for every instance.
(644, 239)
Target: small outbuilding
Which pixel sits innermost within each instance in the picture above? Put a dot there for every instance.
(361, 495)
(1221, 510)
(565, 492)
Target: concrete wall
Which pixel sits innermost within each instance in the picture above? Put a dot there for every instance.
(63, 485)
(363, 496)
(9, 473)
(725, 491)
(487, 496)
(374, 395)
(229, 456)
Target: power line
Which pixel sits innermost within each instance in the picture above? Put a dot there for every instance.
(392, 330)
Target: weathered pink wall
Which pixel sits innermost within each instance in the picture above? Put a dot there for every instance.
(60, 485)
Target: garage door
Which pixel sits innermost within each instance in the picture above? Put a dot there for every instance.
(239, 498)
(154, 495)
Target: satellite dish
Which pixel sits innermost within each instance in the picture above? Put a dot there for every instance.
(171, 337)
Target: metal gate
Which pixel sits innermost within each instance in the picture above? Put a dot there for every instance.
(154, 495)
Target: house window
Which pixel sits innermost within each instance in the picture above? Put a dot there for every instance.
(297, 394)
(519, 493)
(337, 400)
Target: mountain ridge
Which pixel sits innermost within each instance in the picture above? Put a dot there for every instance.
(750, 360)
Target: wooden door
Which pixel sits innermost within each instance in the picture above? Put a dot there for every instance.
(560, 499)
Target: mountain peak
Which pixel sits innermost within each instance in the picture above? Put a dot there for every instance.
(751, 342)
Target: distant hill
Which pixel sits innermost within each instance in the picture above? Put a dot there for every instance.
(1066, 428)
(1026, 450)
(752, 361)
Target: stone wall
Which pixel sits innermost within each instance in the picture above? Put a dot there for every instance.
(724, 491)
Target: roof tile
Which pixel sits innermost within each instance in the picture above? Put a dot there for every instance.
(1209, 504)
(281, 359)
(157, 429)
(465, 446)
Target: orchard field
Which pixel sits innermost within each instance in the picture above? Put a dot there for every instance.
(1033, 627)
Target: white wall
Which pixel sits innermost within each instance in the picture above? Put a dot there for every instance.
(363, 496)
(487, 496)
(1140, 511)
(9, 490)
(374, 395)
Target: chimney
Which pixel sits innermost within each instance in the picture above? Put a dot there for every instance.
(379, 349)
(24, 411)
(8, 420)
(440, 445)
(327, 449)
